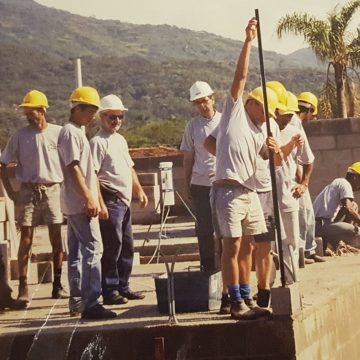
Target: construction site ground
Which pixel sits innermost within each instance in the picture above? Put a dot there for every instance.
(319, 283)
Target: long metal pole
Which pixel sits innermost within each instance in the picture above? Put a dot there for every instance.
(271, 156)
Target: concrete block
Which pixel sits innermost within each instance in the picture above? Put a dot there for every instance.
(136, 260)
(319, 246)
(40, 272)
(2, 210)
(44, 272)
(148, 179)
(2, 232)
(322, 142)
(286, 301)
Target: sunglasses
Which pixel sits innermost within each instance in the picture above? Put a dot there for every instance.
(115, 117)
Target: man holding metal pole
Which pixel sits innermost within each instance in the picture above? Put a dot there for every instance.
(236, 203)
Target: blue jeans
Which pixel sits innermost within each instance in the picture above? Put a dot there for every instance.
(84, 261)
(204, 230)
(117, 260)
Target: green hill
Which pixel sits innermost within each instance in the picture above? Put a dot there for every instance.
(151, 67)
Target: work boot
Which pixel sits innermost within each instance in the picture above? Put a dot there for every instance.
(98, 312)
(23, 292)
(132, 295)
(263, 298)
(240, 311)
(315, 258)
(115, 299)
(260, 311)
(58, 292)
(225, 304)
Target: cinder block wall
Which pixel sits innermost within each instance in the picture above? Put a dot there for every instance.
(336, 145)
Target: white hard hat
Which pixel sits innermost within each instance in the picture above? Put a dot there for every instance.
(111, 102)
(199, 90)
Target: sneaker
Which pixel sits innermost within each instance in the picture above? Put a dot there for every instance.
(115, 300)
(225, 304)
(316, 258)
(133, 295)
(260, 311)
(58, 292)
(23, 293)
(98, 312)
(240, 311)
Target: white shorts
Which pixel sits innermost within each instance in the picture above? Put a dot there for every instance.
(238, 211)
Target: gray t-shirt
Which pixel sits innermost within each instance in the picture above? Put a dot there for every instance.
(113, 163)
(74, 146)
(237, 145)
(36, 155)
(285, 174)
(262, 167)
(196, 131)
(328, 201)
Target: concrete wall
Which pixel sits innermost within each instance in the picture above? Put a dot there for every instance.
(336, 145)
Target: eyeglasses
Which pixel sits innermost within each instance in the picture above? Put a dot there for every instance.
(115, 117)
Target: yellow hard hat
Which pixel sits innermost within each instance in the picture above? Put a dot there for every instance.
(354, 168)
(281, 93)
(35, 99)
(85, 95)
(257, 94)
(309, 98)
(291, 104)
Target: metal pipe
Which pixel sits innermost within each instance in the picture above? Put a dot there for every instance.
(271, 156)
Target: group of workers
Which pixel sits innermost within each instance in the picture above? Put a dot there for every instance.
(91, 183)
(227, 178)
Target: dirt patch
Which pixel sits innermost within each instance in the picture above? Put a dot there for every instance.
(153, 152)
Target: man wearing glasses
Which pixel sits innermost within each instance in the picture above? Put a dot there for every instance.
(118, 181)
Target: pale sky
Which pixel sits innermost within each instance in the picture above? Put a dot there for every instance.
(227, 18)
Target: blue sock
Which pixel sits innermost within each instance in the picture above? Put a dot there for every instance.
(245, 291)
(234, 292)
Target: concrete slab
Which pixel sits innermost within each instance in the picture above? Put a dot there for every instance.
(213, 336)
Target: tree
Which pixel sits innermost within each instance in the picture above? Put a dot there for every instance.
(331, 41)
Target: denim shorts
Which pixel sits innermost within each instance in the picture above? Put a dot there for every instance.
(38, 204)
(238, 212)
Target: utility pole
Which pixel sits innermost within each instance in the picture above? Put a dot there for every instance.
(78, 75)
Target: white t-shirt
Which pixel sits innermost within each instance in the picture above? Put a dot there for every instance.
(237, 145)
(113, 163)
(196, 131)
(36, 154)
(328, 201)
(74, 146)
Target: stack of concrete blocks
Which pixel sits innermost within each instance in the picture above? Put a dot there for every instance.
(39, 272)
(150, 214)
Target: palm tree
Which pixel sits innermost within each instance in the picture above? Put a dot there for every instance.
(331, 42)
